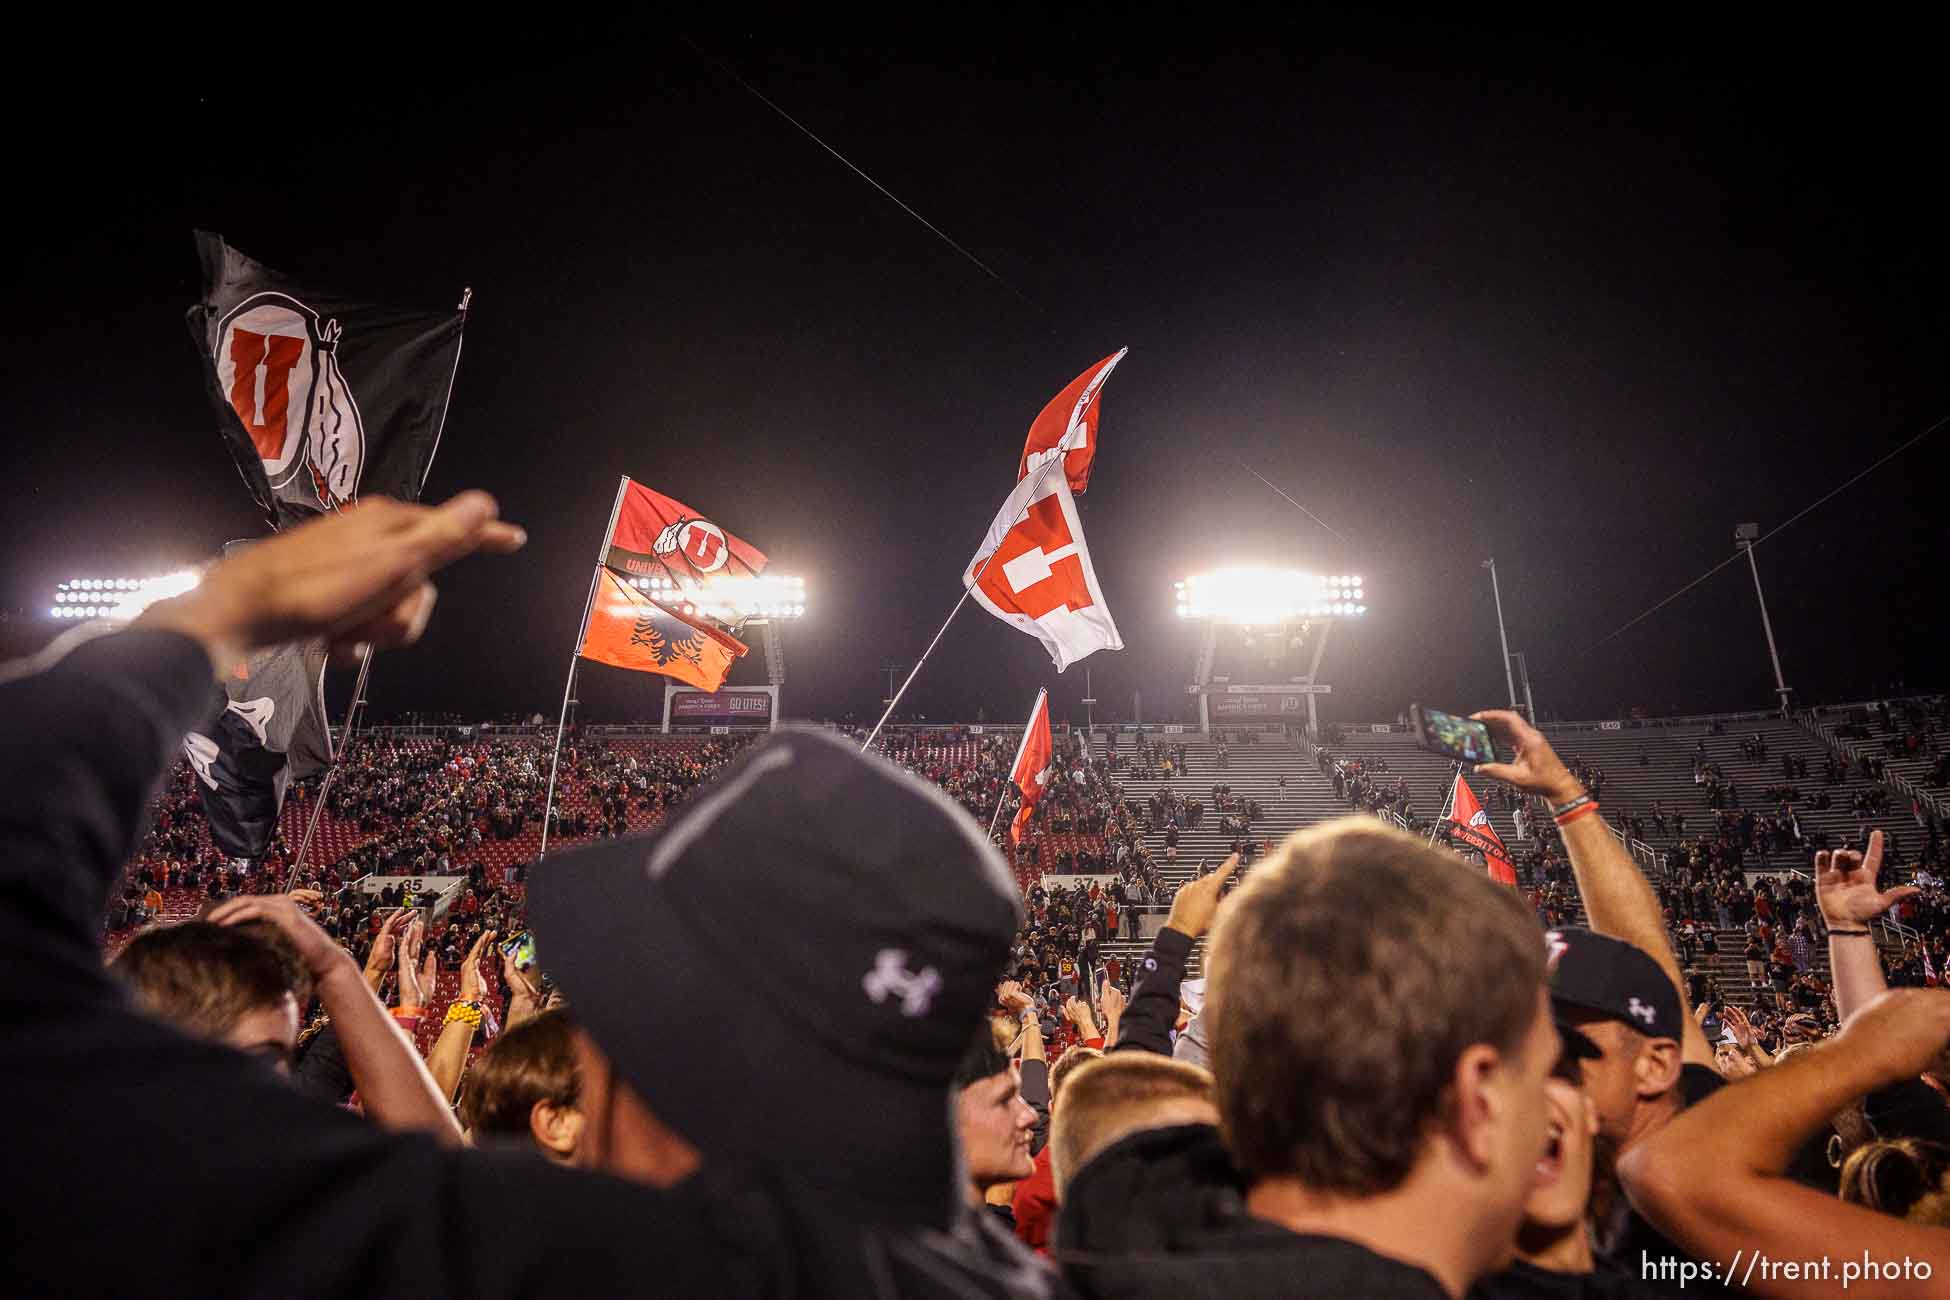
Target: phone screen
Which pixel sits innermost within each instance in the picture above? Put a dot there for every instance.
(520, 950)
(1458, 737)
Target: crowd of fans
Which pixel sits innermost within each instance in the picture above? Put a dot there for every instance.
(1393, 1081)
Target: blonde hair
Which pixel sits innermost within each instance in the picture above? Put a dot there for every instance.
(1894, 1176)
(1107, 1100)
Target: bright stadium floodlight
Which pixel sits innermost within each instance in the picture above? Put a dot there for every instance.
(1277, 612)
(1260, 596)
(758, 598)
(118, 598)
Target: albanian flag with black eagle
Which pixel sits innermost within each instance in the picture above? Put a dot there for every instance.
(320, 397)
(627, 629)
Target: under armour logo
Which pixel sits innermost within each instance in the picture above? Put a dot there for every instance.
(891, 978)
(1554, 948)
(1643, 1012)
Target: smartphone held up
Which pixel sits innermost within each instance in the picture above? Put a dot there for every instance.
(1463, 739)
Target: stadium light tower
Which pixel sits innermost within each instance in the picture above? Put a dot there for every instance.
(1744, 537)
(1269, 604)
(764, 601)
(1502, 636)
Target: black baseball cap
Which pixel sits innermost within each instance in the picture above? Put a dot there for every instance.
(1595, 972)
(789, 971)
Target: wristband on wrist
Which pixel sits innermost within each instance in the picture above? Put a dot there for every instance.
(1847, 933)
(467, 1011)
(1583, 807)
(1560, 809)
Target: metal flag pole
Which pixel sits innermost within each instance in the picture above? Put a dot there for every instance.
(895, 702)
(365, 659)
(999, 801)
(325, 786)
(1448, 806)
(575, 656)
(967, 591)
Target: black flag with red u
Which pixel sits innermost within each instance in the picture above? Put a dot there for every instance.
(320, 397)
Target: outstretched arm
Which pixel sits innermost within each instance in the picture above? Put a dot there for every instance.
(1147, 1022)
(1617, 896)
(448, 1059)
(1712, 1177)
(1845, 889)
(393, 1083)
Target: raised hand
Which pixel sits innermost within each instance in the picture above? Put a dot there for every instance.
(411, 992)
(410, 942)
(1741, 1027)
(359, 575)
(318, 950)
(470, 969)
(1845, 886)
(1112, 1000)
(386, 943)
(1534, 766)
(1194, 906)
(1010, 997)
(524, 999)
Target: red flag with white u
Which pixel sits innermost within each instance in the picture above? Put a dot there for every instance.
(1034, 572)
(1031, 771)
(1472, 825)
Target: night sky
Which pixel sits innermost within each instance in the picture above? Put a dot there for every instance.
(1581, 306)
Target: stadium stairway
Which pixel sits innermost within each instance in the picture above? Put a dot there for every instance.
(1255, 763)
(1392, 754)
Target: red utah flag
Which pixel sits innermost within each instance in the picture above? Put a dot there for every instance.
(1033, 572)
(1067, 427)
(1032, 769)
(656, 534)
(1472, 825)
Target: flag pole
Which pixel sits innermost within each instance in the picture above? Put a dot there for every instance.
(968, 590)
(1448, 806)
(1017, 760)
(575, 655)
(895, 702)
(365, 659)
(325, 786)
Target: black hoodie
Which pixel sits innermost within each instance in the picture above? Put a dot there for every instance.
(1162, 1215)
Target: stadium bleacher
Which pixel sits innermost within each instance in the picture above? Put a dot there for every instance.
(1637, 765)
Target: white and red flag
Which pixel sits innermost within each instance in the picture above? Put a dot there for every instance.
(1033, 572)
(1067, 427)
(1033, 766)
(1472, 825)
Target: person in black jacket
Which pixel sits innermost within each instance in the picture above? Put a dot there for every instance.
(1150, 1017)
(231, 1182)
(1381, 1087)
